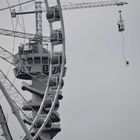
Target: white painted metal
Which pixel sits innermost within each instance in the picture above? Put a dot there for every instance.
(61, 74)
(21, 34)
(49, 77)
(14, 94)
(15, 111)
(38, 9)
(4, 126)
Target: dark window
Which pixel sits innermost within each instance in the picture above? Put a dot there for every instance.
(44, 60)
(60, 35)
(30, 60)
(60, 59)
(37, 60)
(55, 59)
(50, 14)
(57, 15)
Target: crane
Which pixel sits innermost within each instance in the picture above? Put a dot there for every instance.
(45, 68)
(72, 6)
(69, 6)
(79, 5)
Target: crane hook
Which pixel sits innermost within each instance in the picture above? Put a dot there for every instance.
(127, 63)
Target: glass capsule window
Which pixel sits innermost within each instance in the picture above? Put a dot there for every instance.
(60, 59)
(44, 60)
(55, 59)
(30, 60)
(56, 36)
(60, 35)
(50, 14)
(53, 14)
(37, 60)
(57, 14)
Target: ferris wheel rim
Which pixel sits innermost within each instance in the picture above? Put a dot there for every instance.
(50, 74)
(62, 65)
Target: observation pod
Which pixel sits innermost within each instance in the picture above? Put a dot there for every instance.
(30, 62)
(121, 26)
(53, 14)
(56, 37)
(120, 23)
(45, 69)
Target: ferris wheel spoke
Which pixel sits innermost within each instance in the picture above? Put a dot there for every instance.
(16, 5)
(21, 35)
(12, 90)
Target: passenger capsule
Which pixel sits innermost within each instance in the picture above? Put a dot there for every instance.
(120, 23)
(56, 37)
(53, 14)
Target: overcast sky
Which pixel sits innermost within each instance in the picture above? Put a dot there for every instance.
(101, 93)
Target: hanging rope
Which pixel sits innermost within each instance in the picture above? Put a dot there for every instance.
(121, 29)
(123, 50)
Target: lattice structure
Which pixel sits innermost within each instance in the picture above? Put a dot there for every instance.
(44, 68)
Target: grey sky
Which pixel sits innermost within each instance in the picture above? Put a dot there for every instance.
(101, 93)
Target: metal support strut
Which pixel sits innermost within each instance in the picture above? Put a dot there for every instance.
(15, 111)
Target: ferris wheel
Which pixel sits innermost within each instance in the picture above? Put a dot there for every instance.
(39, 62)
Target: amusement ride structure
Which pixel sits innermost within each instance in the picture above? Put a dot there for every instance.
(40, 65)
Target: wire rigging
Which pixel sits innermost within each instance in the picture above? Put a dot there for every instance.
(23, 3)
(123, 45)
(121, 29)
(12, 47)
(14, 29)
